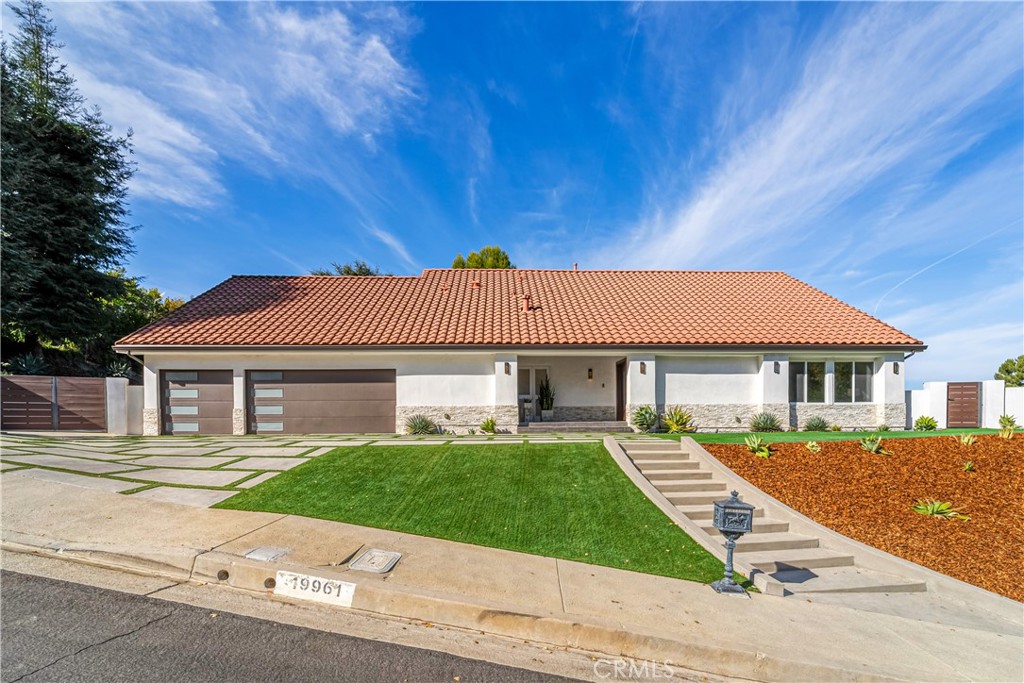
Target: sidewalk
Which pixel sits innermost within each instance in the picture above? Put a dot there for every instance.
(524, 596)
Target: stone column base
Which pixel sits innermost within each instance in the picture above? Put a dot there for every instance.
(151, 422)
(237, 421)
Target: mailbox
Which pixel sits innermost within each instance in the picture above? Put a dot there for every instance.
(732, 515)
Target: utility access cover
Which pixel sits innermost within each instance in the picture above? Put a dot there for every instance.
(266, 554)
(376, 561)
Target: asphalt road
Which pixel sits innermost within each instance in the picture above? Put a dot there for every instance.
(60, 631)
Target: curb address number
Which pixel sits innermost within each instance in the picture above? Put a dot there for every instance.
(316, 588)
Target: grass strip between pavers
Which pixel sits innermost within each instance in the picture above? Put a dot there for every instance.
(569, 501)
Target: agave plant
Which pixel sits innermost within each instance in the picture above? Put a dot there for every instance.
(420, 424)
(765, 422)
(27, 364)
(816, 424)
(935, 508)
(969, 466)
(489, 426)
(883, 428)
(1006, 433)
(813, 446)
(120, 368)
(925, 423)
(645, 418)
(758, 446)
(968, 439)
(1008, 422)
(678, 421)
(873, 444)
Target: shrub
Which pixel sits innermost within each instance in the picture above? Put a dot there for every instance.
(471, 431)
(546, 395)
(835, 428)
(420, 424)
(757, 446)
(27, 364)
(969, 466)
(883, 428)
(765, 422)
(1006, 433)
(645, 418)
(120, 368)
(813, 446)
(935, 508)
(872, 444)
(967, 439)
(489, 426)
(925, 424)
(1008, 422)
(816, 424)
(678, 421)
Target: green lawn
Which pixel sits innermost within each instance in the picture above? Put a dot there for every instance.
(569, 501)
(790, 437)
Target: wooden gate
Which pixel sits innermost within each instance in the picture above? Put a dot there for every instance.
(53, 403)
(963, 404)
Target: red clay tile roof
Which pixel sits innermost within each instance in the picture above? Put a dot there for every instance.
(484, 308)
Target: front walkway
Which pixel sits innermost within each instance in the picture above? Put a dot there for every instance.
(203, 470)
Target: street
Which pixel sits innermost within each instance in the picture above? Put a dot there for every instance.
(60, 631)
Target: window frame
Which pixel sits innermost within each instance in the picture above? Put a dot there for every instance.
(863, 381)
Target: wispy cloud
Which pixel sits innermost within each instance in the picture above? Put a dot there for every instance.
(393, 243)
(847, 123)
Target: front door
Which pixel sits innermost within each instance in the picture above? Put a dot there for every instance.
(620, 390)
(529, 403)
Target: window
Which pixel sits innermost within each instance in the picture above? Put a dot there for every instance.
(853, 382)
(806, 382)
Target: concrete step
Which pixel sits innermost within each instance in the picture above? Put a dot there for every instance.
(677, 464)
(658, 456)
(705, 511)
(695, 498)
(781, 540)
(652, 445)
(845, 580)
(656, 474)
(683, 477)
(560, 427)
(688, 486)
(772, 561)
(761, 526)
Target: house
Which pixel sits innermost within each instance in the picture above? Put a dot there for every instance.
(324, 354)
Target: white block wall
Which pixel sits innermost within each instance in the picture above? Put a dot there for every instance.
(996, 400)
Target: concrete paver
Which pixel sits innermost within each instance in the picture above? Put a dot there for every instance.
(267, 463)
(258, 479)
(201, 498)
(93, 454)
(171, 450)
(74, 464)
(278, 451)
(191, 477)
(95, 483)
(196, 461)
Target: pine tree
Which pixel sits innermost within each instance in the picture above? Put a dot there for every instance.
(62, 196)
(487, 257)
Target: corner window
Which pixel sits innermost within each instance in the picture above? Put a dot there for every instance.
(806, 382)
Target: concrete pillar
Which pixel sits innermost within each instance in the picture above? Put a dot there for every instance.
(117, 405)
(773, 382)
(506, 391)
(238, 409)
(151, 401)
(641, 383)
(889, 391)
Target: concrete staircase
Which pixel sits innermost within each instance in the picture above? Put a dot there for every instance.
(778, 560)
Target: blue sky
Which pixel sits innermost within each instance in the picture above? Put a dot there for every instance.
(872, 150)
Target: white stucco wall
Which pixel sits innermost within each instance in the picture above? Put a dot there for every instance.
(696, 380)
(992, 402)
(996, 400)
(1014, 403)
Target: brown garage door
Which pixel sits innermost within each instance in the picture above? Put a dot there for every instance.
(321, 401)
(963, 404)
(197, 401)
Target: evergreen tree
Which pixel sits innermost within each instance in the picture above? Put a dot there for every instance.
(1011, 371)
(488, 257)
(357, 267)
(62, 195)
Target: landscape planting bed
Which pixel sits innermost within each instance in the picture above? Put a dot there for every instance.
(869, 497)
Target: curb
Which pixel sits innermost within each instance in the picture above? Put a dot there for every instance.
(373, 595)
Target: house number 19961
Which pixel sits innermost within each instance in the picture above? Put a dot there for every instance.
(316, 588)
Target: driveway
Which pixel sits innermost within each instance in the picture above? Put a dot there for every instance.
(202, 470)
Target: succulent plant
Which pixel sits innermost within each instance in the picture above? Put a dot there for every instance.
(678, 421)
(925, 423)
(645, 418)
(765, 422)
(936, 508)
(816, 424)
(420, 424)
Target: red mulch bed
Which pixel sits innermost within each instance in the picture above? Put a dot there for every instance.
(868, 497)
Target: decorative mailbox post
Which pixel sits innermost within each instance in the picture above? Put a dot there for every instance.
(733, 518)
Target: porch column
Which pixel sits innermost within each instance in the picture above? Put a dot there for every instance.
(774, 385)
(889, 395)
(641, 383)
(238, 426)
(150, 401)
(506, 391)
